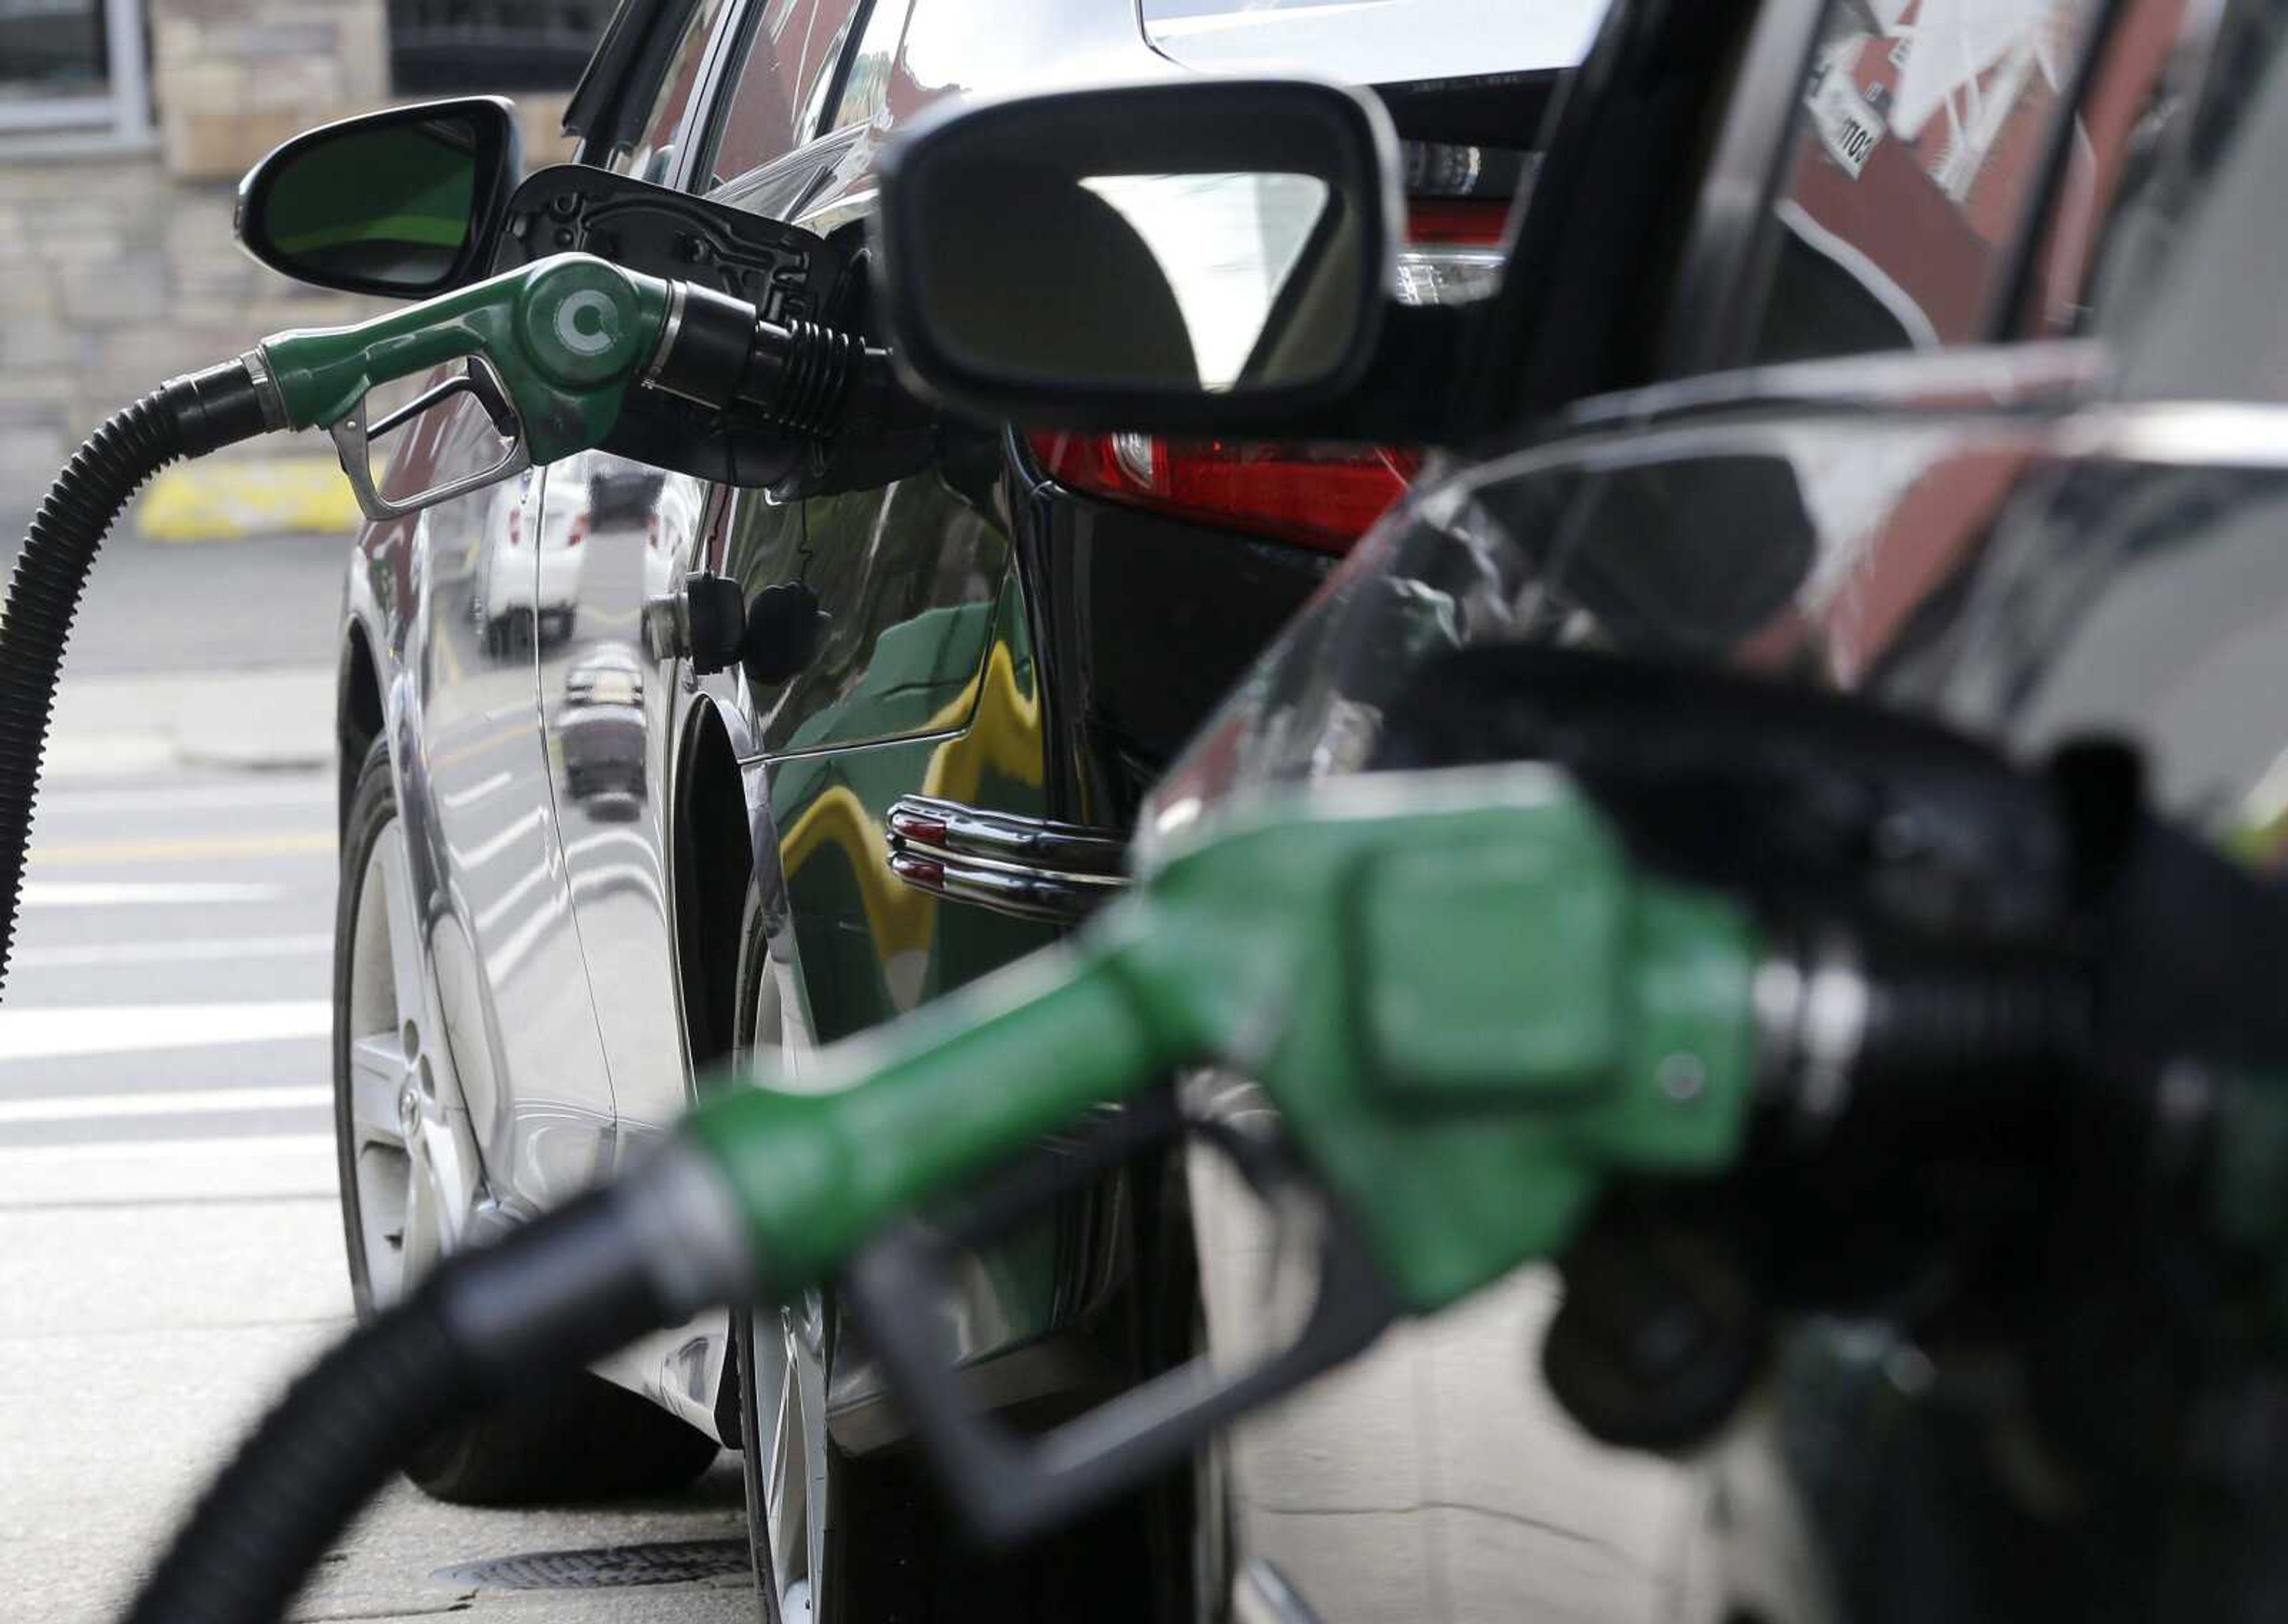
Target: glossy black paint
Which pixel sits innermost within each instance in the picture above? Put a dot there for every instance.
(1142, 623)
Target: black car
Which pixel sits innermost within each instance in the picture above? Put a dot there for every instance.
(1966, 425)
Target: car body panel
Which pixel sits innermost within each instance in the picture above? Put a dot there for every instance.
(608, 710)
(1392, 41)
(465, 742)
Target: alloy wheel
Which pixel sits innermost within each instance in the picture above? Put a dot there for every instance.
(411, 1153)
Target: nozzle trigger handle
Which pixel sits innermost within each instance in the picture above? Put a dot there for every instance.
(354, 440)
(1010, 1487)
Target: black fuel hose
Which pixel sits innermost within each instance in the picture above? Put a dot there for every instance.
(552, 1297)
(186, 416)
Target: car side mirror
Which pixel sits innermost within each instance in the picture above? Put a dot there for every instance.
(402, 202)
(1206, 254)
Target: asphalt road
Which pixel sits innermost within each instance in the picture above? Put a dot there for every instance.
(171, 1247)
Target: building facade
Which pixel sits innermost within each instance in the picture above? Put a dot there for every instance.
(124, 125)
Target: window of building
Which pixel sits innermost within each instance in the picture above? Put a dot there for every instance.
(438, 47)
(74, 68)
(865, 87)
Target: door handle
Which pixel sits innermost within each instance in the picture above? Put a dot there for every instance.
(1032, 867)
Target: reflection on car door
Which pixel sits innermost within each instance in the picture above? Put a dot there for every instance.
(615, 534)
(606, 710)
(922, 679)
(462, 581)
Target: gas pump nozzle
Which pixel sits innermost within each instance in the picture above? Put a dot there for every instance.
(554, 351)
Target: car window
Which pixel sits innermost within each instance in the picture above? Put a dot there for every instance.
(1918, 162)
(2184, 292)
(865, 81)
(654, 149)
(783, 66)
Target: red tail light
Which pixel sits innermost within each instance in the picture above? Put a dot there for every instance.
(576, 530)
(515, 525)
(1322, 496)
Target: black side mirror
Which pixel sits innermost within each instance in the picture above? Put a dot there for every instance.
(402, 202)
(1202, 254)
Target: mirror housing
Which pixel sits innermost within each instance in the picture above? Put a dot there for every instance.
(1182, 253)
(403, 202)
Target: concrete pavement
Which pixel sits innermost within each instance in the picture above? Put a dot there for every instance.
(170, 1249)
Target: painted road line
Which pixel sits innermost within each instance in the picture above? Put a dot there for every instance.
(139, 1172)
(223, 948)
(98, 1029)
(93, 1107)
(67, 893)
(314, 790)
(534, 823)
(196, 848)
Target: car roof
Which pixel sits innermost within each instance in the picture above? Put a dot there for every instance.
(1374, 42)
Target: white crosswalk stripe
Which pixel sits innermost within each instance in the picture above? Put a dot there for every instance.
(96, 1029)
(161, 1102)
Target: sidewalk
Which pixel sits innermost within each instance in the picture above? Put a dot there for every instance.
(131, 725)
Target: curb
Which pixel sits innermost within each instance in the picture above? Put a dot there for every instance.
(248, 496)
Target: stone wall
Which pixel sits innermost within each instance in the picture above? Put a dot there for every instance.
(230, 79)
(117, 272)
(113, 278)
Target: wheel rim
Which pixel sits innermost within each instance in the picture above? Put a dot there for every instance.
(787, 1401)
(408, 1160)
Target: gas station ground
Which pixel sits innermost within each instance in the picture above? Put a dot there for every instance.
(171, 1250)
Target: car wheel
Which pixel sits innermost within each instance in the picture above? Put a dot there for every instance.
(410, 1177)
(866, 1539)
(783, 1458)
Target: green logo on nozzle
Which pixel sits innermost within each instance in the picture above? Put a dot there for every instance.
(579, 323)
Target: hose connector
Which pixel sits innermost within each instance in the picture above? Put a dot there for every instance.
(714, 351)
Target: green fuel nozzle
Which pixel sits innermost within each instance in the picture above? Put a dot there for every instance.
(1469, 1006)
(553, 351)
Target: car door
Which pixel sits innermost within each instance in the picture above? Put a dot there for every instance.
(613, 538)
(922, 681)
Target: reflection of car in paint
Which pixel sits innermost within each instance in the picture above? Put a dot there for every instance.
(598, 727)
(1927, 124)
(530, 586)
(620, 492)
(671, 523)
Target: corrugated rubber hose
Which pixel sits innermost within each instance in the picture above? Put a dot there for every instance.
(186, 416)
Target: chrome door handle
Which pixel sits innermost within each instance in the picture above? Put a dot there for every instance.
(1033, 868)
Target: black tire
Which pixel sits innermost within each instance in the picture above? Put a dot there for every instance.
(576, 1439)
